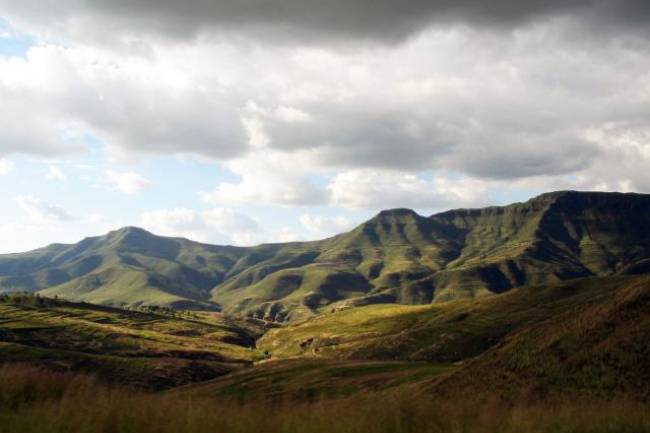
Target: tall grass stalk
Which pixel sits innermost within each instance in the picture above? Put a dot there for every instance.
(35, 401)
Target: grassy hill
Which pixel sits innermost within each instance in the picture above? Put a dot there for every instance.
(587, 335)
(144, 349)
(312, 380)
(396, 257)
(598, 348)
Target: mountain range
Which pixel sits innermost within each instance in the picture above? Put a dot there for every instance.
(398, 256)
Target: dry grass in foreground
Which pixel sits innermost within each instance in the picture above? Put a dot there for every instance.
(36, 401)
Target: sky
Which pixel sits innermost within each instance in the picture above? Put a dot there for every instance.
(252, 121)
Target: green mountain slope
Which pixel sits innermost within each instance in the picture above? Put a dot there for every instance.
(553, 237)
(575, 337)
(126, 267)
(402, 257)
(396, 257)
(441, 332)
(583, 338)
(598, 347)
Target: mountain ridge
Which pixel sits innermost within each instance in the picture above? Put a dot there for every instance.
(398, 256)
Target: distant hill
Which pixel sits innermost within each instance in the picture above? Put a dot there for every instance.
(126, 267)
(396, 257)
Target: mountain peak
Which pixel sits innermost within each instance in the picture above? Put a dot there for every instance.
(397, 212)
(133, 238)
(127, 231)
(554, 195)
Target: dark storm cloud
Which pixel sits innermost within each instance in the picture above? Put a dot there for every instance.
(381, 20)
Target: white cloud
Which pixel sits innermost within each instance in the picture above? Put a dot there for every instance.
(55, 173)
(535, 109)
(174, 222)
(323, 226)
(265, 180)
(19, 237)
(44, 227)
(228, 220)
(485, 104)
(268, 176)
(283, 234)
(6, 166)
(43, 212)
(133, 104)
(218, 225)
(126, 182)
(291, 115)
(215, 226)
(377, 189)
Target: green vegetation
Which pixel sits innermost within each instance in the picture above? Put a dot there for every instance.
(396, 257)
(598, 346)
(587, 335)
(532, 318)
(441, 332)
(34, 401)
(564, 357)
(312, 380)
(139, 348)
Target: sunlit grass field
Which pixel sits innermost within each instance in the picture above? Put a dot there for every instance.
(147, 349)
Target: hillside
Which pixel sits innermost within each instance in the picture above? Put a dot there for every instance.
(584, 338)
(442, 332)
(312, 380)
(396, 257)
(143, 349)
(596, 348)
(126, 267)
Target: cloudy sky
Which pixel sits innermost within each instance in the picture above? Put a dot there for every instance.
(251, 121)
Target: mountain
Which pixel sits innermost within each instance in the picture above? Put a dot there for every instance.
(396, 257)
(126, 267)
